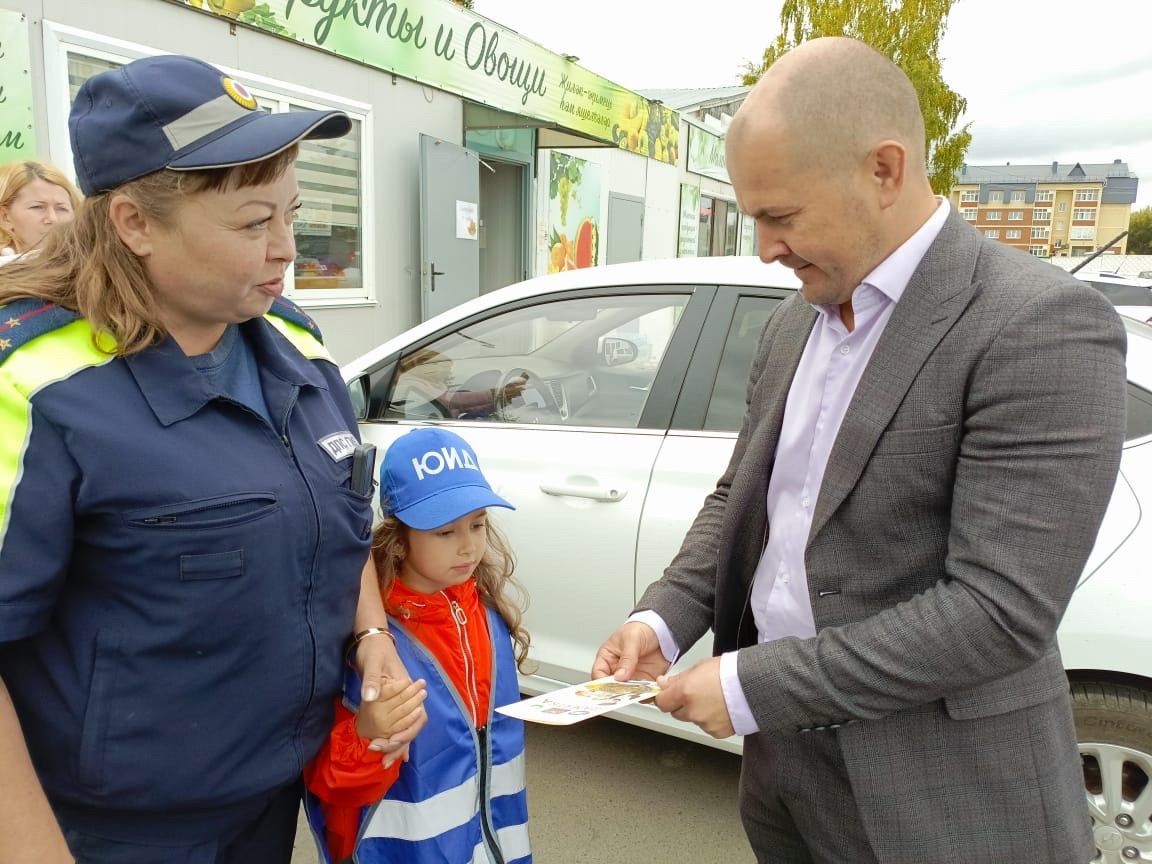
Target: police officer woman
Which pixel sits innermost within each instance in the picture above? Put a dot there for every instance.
(182, 550)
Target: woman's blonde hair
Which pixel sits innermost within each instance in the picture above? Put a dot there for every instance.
(85, 266)
(16, 176)
(498, 587)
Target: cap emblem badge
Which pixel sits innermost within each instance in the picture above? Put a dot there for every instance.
(239, 93)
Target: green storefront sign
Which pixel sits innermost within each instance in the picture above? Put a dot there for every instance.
(706, 154)
(455, 50)
(17, 129)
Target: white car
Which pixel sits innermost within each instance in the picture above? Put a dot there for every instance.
(1120, 290)
(604, 403)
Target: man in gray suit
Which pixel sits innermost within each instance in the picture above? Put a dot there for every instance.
(933, 431)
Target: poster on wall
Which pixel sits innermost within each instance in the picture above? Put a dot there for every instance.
(573, 212)
(454, 49)
(747, 235)
(17, 127)
(689, 221)
(467, 220)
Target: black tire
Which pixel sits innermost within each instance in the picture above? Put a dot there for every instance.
(1114, 728)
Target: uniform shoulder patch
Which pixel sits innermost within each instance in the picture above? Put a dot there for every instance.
(289, 311)
(21, 321)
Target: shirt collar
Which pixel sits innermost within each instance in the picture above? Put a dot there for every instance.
(175, 389)
(892, 275)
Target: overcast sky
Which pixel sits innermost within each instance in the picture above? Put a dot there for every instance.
(1044, 80)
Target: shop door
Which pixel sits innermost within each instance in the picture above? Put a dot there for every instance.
(501, 224)
(449, 225)
(625, 229)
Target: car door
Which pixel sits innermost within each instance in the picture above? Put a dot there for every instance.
(566, 400)
(703, 432)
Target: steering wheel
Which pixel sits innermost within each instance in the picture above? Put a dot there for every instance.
(515, 409)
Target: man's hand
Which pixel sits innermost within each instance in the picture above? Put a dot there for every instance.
(696, 696)
(632, 652)
(515, 387)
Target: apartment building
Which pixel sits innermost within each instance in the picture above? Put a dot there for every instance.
(1049, 210)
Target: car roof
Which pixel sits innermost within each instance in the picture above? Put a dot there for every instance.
(744, 270)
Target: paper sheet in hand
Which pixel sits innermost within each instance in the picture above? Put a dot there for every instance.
(581, 701)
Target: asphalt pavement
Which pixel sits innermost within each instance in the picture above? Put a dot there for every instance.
(603, 792)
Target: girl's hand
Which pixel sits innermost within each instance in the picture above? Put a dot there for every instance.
(398, 711)
(394, 719)
(384, 677)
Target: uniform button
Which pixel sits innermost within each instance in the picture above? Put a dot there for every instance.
(804, 502)
(844, 349)
(784, 578)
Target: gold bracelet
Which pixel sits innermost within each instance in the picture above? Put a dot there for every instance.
(373, 631)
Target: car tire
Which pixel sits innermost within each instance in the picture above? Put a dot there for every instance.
(1114, 730)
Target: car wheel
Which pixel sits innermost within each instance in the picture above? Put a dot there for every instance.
(1114, 728)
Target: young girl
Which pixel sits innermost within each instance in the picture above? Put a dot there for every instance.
(445, 576)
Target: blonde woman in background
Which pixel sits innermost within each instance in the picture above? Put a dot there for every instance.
(34, 196)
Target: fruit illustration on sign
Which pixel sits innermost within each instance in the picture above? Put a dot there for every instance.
(559, 252)
(587, 241)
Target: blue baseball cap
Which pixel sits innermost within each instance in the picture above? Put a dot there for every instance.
(430, 477)
(180, 113)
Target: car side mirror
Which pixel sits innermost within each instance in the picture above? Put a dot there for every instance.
(358, 393)
(615, 351)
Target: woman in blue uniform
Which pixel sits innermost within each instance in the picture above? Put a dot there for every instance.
(182, 545)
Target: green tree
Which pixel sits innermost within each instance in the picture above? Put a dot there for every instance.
(906, 31)
(1140, 232)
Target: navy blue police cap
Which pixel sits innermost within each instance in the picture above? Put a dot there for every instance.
(181, 113)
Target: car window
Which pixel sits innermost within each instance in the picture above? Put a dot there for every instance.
(586, 361)
(1139, 413)
(726, 406)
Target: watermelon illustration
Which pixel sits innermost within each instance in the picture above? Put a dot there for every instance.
(586, 243)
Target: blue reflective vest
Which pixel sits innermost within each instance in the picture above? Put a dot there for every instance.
(460, 798)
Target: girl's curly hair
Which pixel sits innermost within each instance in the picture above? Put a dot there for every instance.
(498, 587)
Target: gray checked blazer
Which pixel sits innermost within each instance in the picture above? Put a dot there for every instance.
(960, 503)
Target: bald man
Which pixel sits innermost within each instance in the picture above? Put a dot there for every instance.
(933, 430)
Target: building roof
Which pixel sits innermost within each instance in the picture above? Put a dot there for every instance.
(1053, 172)
(691, 98)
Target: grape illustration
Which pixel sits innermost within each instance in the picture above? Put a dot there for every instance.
(564, 187)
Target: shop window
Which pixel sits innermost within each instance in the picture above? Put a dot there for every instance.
(330, 226)
(704, 241)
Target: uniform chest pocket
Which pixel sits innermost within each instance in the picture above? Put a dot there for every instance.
(213, 565)
(219, 511)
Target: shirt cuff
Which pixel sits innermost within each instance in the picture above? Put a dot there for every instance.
(743, 723)
(668, 646)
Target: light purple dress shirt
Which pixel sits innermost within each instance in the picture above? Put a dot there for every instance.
(833, 362)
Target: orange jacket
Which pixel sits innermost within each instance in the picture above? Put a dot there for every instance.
(346, 775)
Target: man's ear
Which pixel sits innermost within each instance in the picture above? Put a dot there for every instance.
(136, 231)
(887, 163)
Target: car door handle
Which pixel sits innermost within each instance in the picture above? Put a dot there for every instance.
(596, 493)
